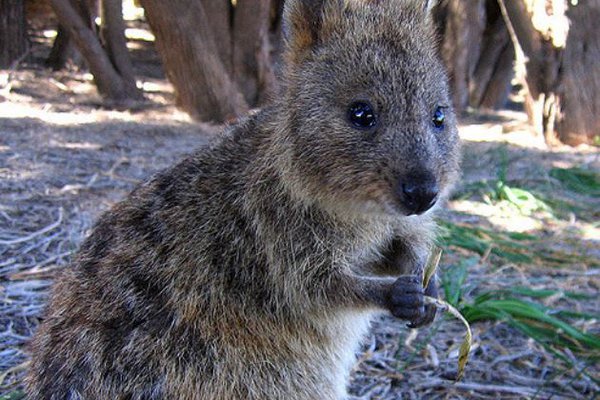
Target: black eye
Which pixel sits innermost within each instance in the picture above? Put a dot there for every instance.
(361, 115)
(439, 118)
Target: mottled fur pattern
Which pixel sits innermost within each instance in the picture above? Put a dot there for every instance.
(251, 269)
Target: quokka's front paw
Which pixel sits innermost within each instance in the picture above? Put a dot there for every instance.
(430, 309)
(405, 300)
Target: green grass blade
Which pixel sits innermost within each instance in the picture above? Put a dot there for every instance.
(578, 180)
(539, 323)
(544, 293)
(453, 280)
(17, 395)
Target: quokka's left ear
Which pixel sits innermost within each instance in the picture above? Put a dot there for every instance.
(306, 23)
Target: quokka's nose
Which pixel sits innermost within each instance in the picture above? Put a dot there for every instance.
(418, 193)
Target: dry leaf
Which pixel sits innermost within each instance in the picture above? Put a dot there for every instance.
(465, 347)
(431, 266)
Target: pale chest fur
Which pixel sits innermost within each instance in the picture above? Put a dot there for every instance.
(347, 331)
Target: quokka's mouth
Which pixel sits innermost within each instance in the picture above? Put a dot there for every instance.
(398, 208)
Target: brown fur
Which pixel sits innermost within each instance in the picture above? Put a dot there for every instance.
(250, 270)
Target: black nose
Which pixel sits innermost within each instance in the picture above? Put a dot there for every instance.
(418, 193)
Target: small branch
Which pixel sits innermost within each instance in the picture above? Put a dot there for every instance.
(110, 84)
(519, 390)
(113, 33)
(511, 357)
(35, 234)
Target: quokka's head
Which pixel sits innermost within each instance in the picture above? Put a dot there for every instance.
(369, 124)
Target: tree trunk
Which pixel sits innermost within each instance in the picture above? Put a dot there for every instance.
(13, 32)
(252, 63)
(112, 33)
(498, 86)
(559, 43)
(542, 62)
(189, 52)
(220, 20)
(218, 54)
(463, 24)
(491, 81)
(111, 84)
(63, 50)
(579, 90)
(275, 29)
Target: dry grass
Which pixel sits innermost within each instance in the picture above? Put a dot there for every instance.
(62, 164)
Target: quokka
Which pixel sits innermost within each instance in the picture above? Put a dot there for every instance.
(251, 269)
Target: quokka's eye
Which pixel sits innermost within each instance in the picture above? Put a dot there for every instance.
(361, 115)
(439, 118)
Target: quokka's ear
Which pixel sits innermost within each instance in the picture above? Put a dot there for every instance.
(305, 23)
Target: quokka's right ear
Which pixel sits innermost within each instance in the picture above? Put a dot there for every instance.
(305, 24)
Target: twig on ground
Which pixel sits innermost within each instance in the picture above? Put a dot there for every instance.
(33, 235)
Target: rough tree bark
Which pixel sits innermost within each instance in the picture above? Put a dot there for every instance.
(192, 60)
(219, 14)
(490, 84)
(252, 64)
(111, 83)
(112, 33)
(216, 53)
(13, 32)
(579, 89)
(63, 50)
(559, 43)
(462, 23)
